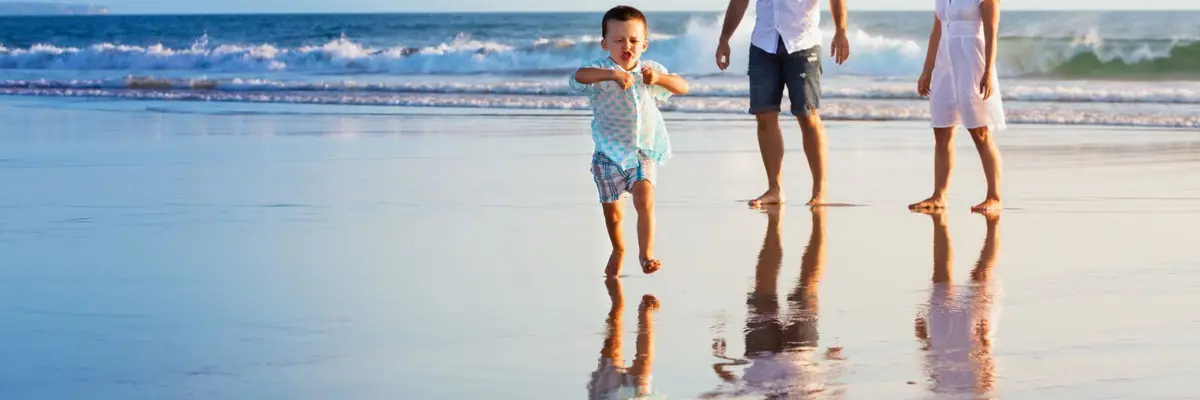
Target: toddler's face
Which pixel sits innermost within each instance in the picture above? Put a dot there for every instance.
(625, 42)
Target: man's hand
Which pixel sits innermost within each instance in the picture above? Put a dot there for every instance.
(723, 54)
(649, 76)
(623, 79)
(840, 48)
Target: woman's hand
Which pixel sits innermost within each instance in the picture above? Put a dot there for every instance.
(923, 83)
(985, 85)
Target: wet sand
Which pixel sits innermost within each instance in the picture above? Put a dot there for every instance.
(247, 252)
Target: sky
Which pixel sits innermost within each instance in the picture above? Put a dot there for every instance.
(286, 6)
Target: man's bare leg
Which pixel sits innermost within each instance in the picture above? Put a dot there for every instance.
(613, 214)
(643, 202)
(770, 144)
(814, 149)
(943, 163)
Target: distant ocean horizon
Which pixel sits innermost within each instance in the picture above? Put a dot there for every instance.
(1068, 67)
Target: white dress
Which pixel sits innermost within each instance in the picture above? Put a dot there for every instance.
(954, 97)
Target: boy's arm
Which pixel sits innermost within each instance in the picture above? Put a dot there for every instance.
(588, 76)
(673, 83)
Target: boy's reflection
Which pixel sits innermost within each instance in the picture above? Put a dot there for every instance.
(781, 348)
(957, 326)
(612, 379)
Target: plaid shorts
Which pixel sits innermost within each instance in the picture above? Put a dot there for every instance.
(613, 182)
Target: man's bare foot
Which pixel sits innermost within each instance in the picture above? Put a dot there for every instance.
(614, 263)
(930, 204)
(771, 197)
(816, 200)
(987, 206)
(649, 303)
(773, 211)
(650, 265)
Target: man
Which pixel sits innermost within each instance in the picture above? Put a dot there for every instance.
(785, 51)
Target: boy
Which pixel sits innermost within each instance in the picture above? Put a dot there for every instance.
(627, 127)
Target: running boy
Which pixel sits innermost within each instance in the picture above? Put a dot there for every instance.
(630, 136)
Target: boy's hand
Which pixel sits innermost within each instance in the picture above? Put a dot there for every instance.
(623, 79)
(649, 76)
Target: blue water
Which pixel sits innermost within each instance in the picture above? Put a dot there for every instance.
(522, 60)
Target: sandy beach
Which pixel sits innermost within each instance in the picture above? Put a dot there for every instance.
(159, 250)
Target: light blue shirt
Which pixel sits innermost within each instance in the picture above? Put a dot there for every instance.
(627, 121)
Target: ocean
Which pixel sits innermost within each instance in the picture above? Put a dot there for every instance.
(1091, 68)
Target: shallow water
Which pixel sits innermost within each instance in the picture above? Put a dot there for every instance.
(171, 255)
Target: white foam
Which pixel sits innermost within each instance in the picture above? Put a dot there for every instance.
(691, 52)
(835, 110)
(1182, 93)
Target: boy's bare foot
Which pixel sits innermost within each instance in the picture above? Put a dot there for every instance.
(930, 204)
(816, 200)
(614, 263)
(649, 303)
(650, 265)
(987, 206)
(771, 197)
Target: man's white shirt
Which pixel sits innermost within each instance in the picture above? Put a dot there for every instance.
(795, 21)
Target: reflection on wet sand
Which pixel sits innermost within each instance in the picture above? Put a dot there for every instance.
(612, 378)
(781, 355)
(957, 326)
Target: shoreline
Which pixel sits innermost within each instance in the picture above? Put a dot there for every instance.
(231, 106)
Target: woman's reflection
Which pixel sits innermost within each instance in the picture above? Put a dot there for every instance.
(781, 347)
(612, 379)
(957, 326)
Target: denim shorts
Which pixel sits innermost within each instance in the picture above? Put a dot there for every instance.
(799, 71)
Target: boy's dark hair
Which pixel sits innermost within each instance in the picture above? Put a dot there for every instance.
(621, 13)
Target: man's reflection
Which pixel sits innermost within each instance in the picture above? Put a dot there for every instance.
(612, 379)
(781, 346)
(957, 326)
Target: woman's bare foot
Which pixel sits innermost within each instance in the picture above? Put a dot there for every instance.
(990, 217)
(930, 204)
(771, 197)
(987, 206)
(650, 265)
(614, 263)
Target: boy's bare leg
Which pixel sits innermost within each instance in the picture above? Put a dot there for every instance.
(643, 202)
(643, 362)
(813, 130)
(770, 144)
(989, 154)
(613, 214)
(943, 163)
(614, 329)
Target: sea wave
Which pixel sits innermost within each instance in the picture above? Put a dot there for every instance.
(876, 55)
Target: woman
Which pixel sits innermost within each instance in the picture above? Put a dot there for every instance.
(960, 80)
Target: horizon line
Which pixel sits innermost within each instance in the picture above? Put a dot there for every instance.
(214, 13)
